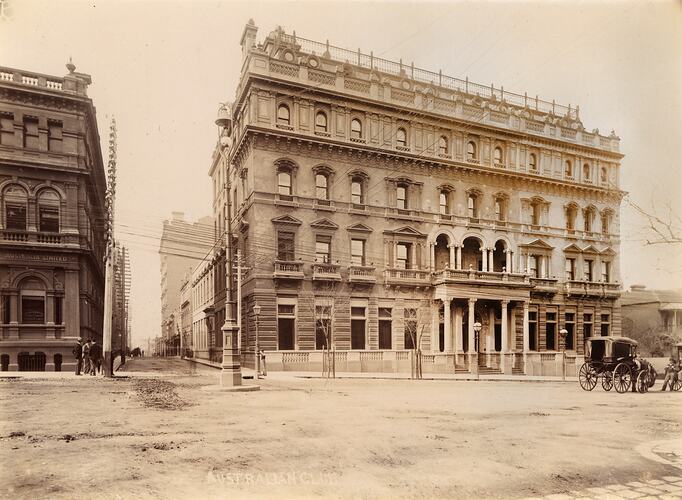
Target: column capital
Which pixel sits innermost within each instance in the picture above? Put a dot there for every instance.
(504, 303)
(472, 301)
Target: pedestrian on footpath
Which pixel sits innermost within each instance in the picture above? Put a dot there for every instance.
(86, 357)
(96, 357)
(670, 374)
(263, 367)
(78, 353)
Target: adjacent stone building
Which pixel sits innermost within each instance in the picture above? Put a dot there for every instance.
(378, 205)
(52, 210)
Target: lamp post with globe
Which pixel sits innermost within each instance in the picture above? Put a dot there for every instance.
(563, 332)
(477, 331)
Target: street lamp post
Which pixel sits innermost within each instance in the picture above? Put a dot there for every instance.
(477, 331)
(256, 352)
(563, 332)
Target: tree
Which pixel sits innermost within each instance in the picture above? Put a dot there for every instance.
(416, 320)
(324, 311)
(665, 227)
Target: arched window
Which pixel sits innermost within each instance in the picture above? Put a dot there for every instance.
(356, 129)
(283, 115)
(401, 137)
(471, 151)
(603, 176)
(401, 196)
(357, 195)
(500, 208)
(497, 156)
(586, 172)
(444, 201)
(588, 219)
(571, 213)
(284, 182)
(321, 122)
(605, 222)
(16, 202)
(32, 295)
(443, 146)
(532, 162)
(472, 205)
(322, 186)
(568, 169)
(48, 211)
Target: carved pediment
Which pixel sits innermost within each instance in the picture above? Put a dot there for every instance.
(287, 220)
(572, 248)
(538, 244)
(359, 228)
(608, 251)
(324, 224)
(590, 249)
(405, 231)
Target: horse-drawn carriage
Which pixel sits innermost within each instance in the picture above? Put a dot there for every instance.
(677, 380)
(614, 360)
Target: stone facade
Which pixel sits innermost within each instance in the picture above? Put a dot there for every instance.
(52, 208)
(402, 206)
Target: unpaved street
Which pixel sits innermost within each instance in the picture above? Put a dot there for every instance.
(163, 437)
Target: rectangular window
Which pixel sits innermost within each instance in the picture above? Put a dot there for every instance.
(357, 327)
(285, 246)
(401, 197)
(356, 193)
(357, 252)
(323, 249)
(385, 328)
(605, 325)
(411, 333)
(5, 309)
(534, 269)
(15, 217)
(33, 310)
(286, 329)
(587, 325)
(550, 330)
(403, 251)
(49, 219)
(284, 183)
(472, 206)
(7, 129)
(606, 272)
(587, 270)
(535, 214)
(499, 210)
(569, 320)
(443, 201)
(605, 224)
(31, 135)
(533, 330)
(570, 269)
(54, 136)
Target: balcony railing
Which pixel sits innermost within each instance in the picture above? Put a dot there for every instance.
(362, 274)
(482, 276)
(287, 269)
(548, 285)
(414, 277)
(326, 272)
(19, 236)
(592, 288)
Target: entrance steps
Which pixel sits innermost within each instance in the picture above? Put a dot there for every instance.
(485, 370)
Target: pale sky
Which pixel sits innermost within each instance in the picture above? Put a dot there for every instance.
(161, 68)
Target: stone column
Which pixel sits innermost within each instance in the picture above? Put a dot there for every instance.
(543, 266)
(484, 259)
(453, 251)
(435, 326)
(458, 329)
(525, 338)
(508, 260)
(505, 359)
(432, 256)
(14, 315)
(528, 263)
(472, 303)
(491, 259)
(458, 250)
(447, 320)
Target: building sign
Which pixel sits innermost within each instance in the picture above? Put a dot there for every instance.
(36, 257)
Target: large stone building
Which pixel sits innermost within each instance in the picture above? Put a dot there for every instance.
(52, 209)
(183, 246)
(398, 205)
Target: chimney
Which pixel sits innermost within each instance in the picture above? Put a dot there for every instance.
(178, 216)
(248, 38)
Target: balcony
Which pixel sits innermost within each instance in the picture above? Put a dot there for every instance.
(592, 288)
(362, 274)
(12, 236)
(479, 277)
(544, 285)
(326, 272)
(408, 277)
(287, 269)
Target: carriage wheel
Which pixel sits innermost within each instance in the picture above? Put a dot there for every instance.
(622, 378)
(587, 377)
(643, 382)
(677, 383)
(607, 381)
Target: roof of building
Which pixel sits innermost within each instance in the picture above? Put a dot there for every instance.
(668, 299)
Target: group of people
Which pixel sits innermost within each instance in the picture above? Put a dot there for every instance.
(88, 357)
(671, 373)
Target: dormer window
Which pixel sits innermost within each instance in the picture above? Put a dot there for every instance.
(443, 146)
(356, 129)
(401, 138)
(321, 122)
(283, 115)
(532, 162)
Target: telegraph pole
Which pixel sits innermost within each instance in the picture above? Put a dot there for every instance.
(109, 254)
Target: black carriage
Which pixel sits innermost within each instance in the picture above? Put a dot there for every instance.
(614, 360)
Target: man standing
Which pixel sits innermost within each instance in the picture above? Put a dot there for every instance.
(95, 356)
(78, 353)
(86, 357)
(670, 374)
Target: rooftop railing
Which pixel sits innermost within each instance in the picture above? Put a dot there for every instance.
(425, 76)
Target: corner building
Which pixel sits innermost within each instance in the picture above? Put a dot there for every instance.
(52, 213)
(373, 200)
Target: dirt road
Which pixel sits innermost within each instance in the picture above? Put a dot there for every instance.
(163, 437)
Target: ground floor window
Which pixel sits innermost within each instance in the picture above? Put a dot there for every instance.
(357, 327)
(385, 328)
(533, 330)
(550, 331)
(605, 325)
(570, 328)
(587, 325)
(32, 310)
(286, 327)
